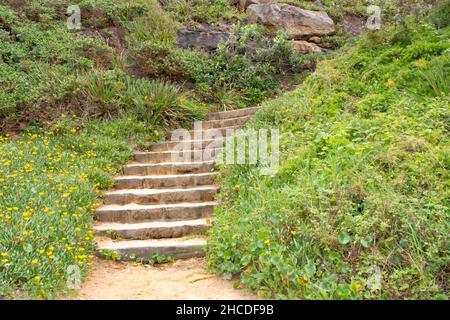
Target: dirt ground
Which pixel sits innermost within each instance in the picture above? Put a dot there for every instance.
(184, 279)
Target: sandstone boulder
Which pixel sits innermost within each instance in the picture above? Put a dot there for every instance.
(244, 4)
(297, 22)
(305, 46)
(207, 40)
(353, 24)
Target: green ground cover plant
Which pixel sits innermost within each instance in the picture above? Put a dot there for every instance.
(121, 47)
(50, 183)
(359, 207)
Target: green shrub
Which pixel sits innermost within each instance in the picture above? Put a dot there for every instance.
(248, 65)
(156, 26)
(110, 93)
(200, 10)
(436, 74)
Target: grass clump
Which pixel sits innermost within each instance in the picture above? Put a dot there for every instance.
(359, 206)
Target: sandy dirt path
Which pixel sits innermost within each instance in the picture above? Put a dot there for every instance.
(184, 279)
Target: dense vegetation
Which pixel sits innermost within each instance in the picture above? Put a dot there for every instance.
(47, 69)
(122, 45)
(75, 103)
(359, 207)
(49, 186)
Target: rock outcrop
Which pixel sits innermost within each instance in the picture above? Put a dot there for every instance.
(207, 40)
(305, 46)
(297, 22)
(244, 4)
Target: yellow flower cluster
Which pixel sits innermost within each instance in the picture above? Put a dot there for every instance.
(46, 204)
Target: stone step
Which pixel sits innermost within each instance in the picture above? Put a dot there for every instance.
(151, 230)
(187, 145)
(232, 114)
(164, 181)
(174, 156)
(165, 196)
(149, 196)
(213, 133)
(229, 122)
(178, 248)
(144, 212)
(166, 168)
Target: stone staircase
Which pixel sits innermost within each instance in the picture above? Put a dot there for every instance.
(163, 207)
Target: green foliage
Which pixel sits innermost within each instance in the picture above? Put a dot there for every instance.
(44, 66)
(110, 255)
(242, 72)
(36, 63)
(159, 259)
(93, 72)
(392, 10)
(359, 186)
(359, 206)
(436, 72)
(155, 27)
(440, 15)
(159, 103)
(200, 10)
(50, 183)
(51, 180)
(109, 93)
(248, 65)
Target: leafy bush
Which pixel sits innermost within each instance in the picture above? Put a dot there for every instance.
(359, 206)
